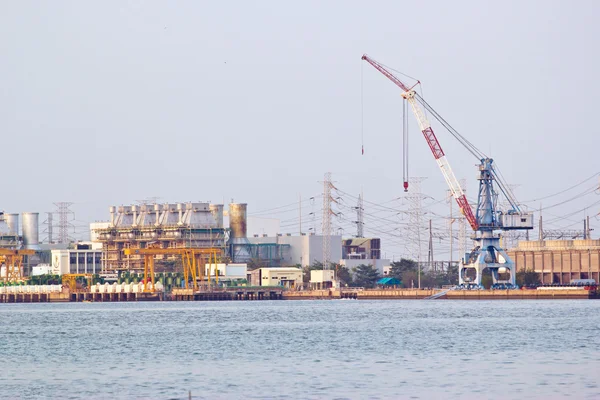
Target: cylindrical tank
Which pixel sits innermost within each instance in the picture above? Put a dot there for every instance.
(12, 221)
(237, 220)
(31, 234)
(217, 212)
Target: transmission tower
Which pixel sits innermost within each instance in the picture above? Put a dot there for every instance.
(48, 230)
(326, 227)
(63, 211)
(359, 217)
(462, 227)
(415, 221)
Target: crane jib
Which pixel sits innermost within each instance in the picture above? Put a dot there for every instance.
(433, 143)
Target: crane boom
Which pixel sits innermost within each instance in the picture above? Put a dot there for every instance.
(432, 141)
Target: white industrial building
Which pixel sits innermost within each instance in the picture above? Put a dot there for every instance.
(230, 272)
(286, 277)
(322, 279)
(86, 258)
(304, 249)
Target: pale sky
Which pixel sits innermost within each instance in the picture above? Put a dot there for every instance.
(108, 102)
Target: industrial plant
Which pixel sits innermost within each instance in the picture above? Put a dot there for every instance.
(193, 249)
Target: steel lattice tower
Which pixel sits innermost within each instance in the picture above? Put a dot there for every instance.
(415, 221)
(48, 222)
(326, 228)
(64, 225)
(359, 217)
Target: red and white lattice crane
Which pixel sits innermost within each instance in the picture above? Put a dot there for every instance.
(409, 94)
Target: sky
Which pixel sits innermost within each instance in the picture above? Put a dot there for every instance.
(110, 102)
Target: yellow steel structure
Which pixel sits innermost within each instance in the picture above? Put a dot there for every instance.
(70, 280)
(193, 259)
(13, 259)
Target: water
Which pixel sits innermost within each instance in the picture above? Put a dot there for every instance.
(302, 349)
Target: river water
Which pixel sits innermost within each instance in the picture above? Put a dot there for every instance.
(330, 349)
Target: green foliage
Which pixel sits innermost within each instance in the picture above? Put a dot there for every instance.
(343, 275)
(528, 277)
(399, 268)
(486, 278)
(365, 276)
(407, 271)
(306, 270)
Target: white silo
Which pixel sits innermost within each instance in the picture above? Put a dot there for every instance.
(31, 234)
(12, 222)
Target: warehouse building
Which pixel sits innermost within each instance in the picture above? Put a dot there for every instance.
(286, 277)
(559, 261)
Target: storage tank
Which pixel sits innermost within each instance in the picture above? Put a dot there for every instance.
(31, 235)
(12, 222)
(217, 212)
(237, 220)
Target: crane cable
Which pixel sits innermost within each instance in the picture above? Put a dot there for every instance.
(470, 146)
(466, 143)
(362, 111)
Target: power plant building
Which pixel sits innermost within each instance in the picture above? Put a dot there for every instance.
(166, 226)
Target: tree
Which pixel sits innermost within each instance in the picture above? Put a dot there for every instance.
(314, 266)
(486, 278)
(528, 277)
(410, 279)
(343, 275)
(406, 271)
(401, 267)
(365, 276)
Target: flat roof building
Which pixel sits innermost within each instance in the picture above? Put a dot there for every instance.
(286, 277)
(559, 261)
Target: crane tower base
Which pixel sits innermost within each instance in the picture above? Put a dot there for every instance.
(487, 254)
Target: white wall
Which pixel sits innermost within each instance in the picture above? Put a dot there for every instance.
(304, 250)
(60, 262)
(231, 271)
(377, 264)
(97, 225)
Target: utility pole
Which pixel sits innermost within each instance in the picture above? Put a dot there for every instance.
(462, 227)
(450, 201)
(430, 255)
